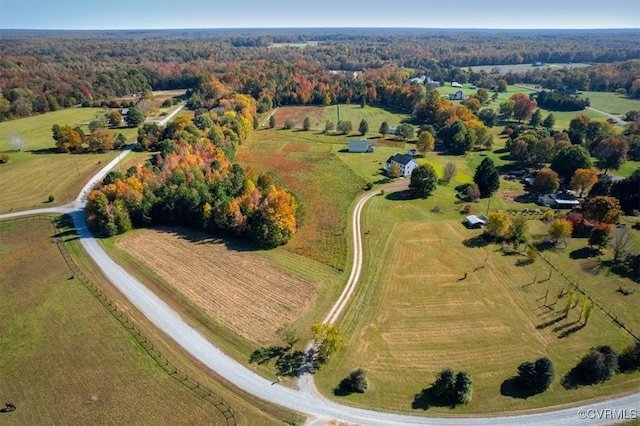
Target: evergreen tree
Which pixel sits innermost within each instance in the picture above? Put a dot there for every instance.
(487, 177)
(363, 127)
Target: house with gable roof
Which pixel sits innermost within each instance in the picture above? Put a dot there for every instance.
(405, 162)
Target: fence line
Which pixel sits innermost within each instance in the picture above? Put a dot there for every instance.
(203, 392)
(582, 291)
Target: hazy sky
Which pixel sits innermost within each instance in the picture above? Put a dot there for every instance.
(148, 14)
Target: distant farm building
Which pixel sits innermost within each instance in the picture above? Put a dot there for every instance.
(458, 96)
(561, 200)
(456, 84)
(474, 222)
(360, 146)
(405, 162)
(392, 130)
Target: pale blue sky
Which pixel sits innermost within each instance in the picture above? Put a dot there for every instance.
(153, 14)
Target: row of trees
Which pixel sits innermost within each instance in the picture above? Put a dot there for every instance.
(69, 139)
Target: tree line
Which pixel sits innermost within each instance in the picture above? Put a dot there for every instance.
(193, 181)
(44, 73)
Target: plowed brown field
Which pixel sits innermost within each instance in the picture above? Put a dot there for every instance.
(239, 289)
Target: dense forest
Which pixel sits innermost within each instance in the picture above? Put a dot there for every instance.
(48, 70)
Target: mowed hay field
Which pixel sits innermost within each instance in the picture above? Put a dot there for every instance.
(39, 167)
(65, 358)
(319, 115)
(237, 288)
(416, 314)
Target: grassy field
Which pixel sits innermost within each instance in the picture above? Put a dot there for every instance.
(65, 358)
(416, 314)
(303, 161)
(612, 102)
(39, 167)
(353, 112)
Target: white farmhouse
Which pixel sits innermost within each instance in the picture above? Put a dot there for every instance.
(405, 162)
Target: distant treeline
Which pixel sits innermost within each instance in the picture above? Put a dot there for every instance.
(47, 70)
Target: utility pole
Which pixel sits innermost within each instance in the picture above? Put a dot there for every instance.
(488, 205)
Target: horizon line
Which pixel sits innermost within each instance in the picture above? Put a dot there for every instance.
(329, 28)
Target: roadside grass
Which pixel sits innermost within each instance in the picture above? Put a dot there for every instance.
(416, 314)
(40, 168)
(64, 356)
(251, 409)
(325, 187)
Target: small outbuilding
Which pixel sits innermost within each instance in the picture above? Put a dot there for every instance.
(360, 146)
(475, 222)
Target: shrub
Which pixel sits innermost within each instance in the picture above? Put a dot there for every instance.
(629, 359)
(4, 158)
(51, 198)
(288, 124)
(368, 186)
(599, 365)
(537, 376)
(466, 209)
(452, 389)
(356, 381)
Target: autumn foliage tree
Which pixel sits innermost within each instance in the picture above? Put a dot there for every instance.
(559, 230)
(611, 153)
(523, 107)
(602, 209)
(546, 181)
(583, 180)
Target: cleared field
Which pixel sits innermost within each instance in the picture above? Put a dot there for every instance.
(612, 102)
(518, 68)
(238, 288)
(39, 167)
(303, 161)
(65, 359)
(417, 314)
(353, 112)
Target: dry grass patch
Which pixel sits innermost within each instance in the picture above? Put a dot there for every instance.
(238, 288)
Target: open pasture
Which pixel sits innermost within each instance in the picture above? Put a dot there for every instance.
(39, 167)
(326, 187)
(66, 359)
(433, 297)
(235, 287)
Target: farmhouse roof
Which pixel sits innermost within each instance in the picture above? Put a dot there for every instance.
(363, 143)
(401, 159)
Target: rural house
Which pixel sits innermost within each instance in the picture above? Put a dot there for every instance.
(456, 84)
(561, 200)
(406, 163)
(360, 146)
(458, 96)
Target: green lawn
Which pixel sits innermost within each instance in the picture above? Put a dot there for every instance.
(66, 359)
(39, 167)
(612, 102)
(415, 314)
